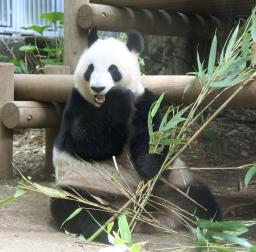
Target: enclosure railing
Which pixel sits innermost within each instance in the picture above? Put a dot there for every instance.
(29, 101)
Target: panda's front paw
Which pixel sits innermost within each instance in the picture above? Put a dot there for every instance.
(120, 94)
(149, 165)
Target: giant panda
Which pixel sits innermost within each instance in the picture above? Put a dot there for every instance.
(106, 117)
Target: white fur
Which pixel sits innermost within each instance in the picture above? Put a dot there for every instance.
(102, 54)
(180, 177)
(95, 177)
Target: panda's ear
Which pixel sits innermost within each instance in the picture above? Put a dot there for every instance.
(135, 42)
(92, 36)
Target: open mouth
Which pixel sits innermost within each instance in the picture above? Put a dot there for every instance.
(99, 99)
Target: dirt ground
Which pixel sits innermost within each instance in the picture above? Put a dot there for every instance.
(25, 224)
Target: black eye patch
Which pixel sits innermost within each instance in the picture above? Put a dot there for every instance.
(116, 75)
(88, 72)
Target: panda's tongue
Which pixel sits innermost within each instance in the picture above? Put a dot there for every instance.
(100, 99)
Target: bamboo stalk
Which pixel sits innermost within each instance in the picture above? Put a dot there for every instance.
(224, 105)
(102, 228)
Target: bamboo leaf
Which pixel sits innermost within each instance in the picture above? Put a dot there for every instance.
(19, 192)
(249, 175)
(51, 192)
(124, 229)
(82, 238)
(177, 118)
(232, 238)
(253, 59)
(231, 43)
(232, 66)
(72, 215)
(110, 227)
(136, 247)
(224, 83)
(156, 106)
(173, 141)
(221, 61)
(253, 27)
(212, 56)
(245, 43)
(165, 117)
(7, 200)
(200, 238)
(223, 225)
(201, 74)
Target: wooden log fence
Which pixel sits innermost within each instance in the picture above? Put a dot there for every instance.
(56, 88)
(29, 101)
(160, 22)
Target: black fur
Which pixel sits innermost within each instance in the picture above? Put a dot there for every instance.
(88, 72)
(147, 165)
(83, 223)
(92, 36)
(202, 195)
(115, 73)
(95, 133)
(135, 42)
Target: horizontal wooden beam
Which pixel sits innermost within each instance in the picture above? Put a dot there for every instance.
(56, 88)
(160, 22)
(35, 87)
(174, 86)
(29, 114)
(211, 7)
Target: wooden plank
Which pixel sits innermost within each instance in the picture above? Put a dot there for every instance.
(75, 39)
(6, 135)
(109, 18)
(212, 7)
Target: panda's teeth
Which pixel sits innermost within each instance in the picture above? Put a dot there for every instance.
(100, 99)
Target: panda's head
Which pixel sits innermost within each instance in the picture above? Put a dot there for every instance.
(107, 63)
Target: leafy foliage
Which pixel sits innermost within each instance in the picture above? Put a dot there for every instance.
(125, 237)
(216, 235)
(234, 65)
(168, 128)
(249, 175)
(35, 56)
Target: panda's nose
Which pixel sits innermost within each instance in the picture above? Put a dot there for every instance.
(97, 89)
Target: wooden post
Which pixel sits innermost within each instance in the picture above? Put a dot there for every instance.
(6, 135)
(50, 133)
(75, 39)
